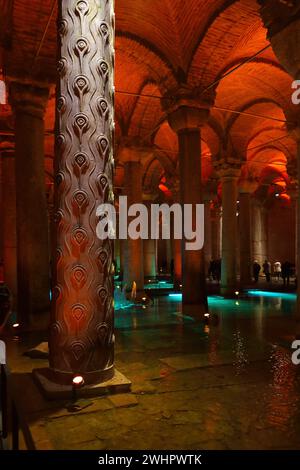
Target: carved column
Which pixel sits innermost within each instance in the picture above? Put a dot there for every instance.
(29, 104)
(229, 177)
(186, 117)
(7, 152)
(81, 333)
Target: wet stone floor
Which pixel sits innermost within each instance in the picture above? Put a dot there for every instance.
(229, 384)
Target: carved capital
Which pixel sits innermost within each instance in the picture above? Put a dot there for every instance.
(278, 14)
(133, 154)
(282, 20)
(28, 99)
(228, 171)
(187, 108)
(248, 186)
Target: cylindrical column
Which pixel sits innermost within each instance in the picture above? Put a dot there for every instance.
(245, 229)
(186, 121)
(149, 258)
(229, 178)
(81, 333)
(9, 221)
(193, 264)
(259, 232)
(133, 256)
(215, 233)
(32, 221)
(298, 236)
(176, 243)
(207, 234)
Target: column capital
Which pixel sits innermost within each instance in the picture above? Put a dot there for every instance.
(278, 14)
(248, 186)
(133, 150)
(188, 108)
(282, 21)
(228, 170)
(28, 99)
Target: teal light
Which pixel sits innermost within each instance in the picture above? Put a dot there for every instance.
(263, 293)
(176, 296)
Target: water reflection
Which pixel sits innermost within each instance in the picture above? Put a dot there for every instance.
(282, 396)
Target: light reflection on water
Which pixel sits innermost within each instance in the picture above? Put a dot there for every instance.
(282, 397)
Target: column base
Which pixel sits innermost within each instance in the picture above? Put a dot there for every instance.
(52, 390)
(195, 311)
(229, 292)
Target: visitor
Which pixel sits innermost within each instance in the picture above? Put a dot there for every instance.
(256, 270)
(286, 273)
(277, 270)
(267, 270)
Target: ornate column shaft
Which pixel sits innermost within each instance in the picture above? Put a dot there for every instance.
(81, 333)
(229, 178)
(9, 218)
(29, 104)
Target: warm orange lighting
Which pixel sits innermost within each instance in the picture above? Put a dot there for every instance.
(78, 381)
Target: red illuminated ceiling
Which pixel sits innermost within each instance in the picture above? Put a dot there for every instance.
(160, 43)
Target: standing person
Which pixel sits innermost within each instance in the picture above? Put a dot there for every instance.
(286, 272)
(267, 270)
(277, 269)
(256, 270)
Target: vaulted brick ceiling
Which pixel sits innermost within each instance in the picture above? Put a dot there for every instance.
(160, 43)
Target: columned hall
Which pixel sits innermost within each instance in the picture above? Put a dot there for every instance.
(150, 103)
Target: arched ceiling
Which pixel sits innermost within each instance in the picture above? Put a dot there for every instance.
(164, 43)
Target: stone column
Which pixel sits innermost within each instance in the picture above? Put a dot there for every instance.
(82, 321)
(133, 249)
(149, 258)
(186, 118)
(229, 178)
(259, 232)
(283, 24)
(207, 232)
(29, 104)
(176, 243)
(245, 239)
(245, 231)
(9, 218)
(215, 232)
